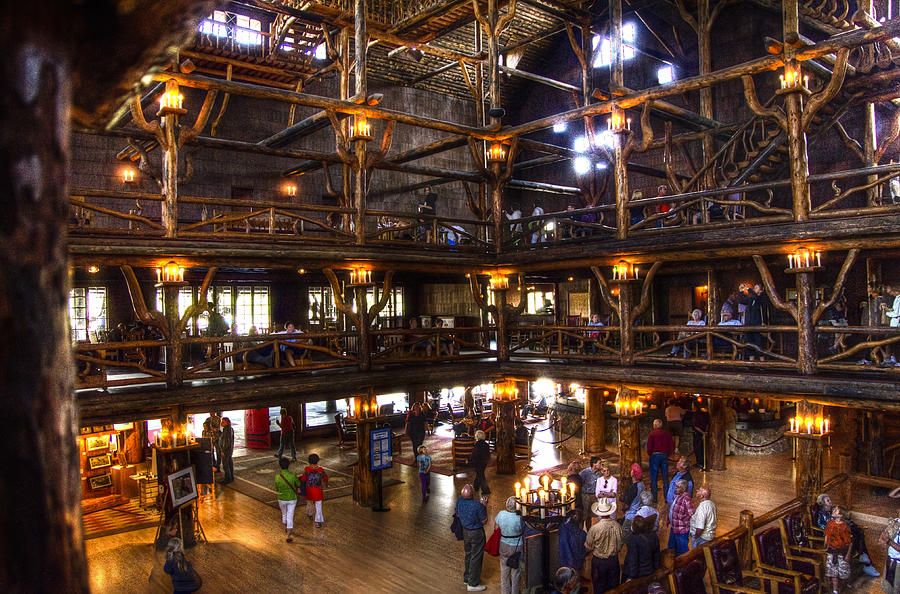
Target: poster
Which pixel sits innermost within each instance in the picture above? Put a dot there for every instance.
(380, 456)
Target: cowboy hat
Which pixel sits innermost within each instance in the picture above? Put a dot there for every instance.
(604, 507)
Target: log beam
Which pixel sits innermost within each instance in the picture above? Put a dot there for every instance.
(594, 433)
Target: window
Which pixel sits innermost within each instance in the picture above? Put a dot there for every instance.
(394, 307)
(539, 301)
(321, 52)
(603, 46)
(87, 313)
(321, 306)
(185, 300)
(665, 75)
(287, 45)
(252, 309)
(247, 31)
(222, 297)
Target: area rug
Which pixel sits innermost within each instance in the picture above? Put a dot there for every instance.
(439, 448)
(122, 518)
(255, 474)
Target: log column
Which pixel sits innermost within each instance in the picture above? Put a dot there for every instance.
(808, 464)
(793, 107)
(40, 486)
(594, 432)
(174, 354)
(506, 436)
(626, 325)
(806, 328)
(365, 481)
(502, 333)
(616, 83)
(360, 176)
(629, 440)
(718, 435)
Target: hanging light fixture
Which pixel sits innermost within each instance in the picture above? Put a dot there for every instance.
(361, 129)
(496, 153)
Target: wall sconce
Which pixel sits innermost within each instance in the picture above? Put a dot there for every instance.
(361, 129)
(93, 269)
(804, 258)
(290, 190)
(170, 273)
(360, 276)
(499, 282)
(301, 271)
(505, 391)
(792, 76)
(618, 123)
(171, 102)
(128, 175)
(496, 153)
(624, 271)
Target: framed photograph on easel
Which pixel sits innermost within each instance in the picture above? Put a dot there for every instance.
(182, 486)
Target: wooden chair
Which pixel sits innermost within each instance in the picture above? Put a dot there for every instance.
(771, 558)
(688, 579)
(726, 576)
(346, 434)
(800, 542)
(525, 450)
(461, 449)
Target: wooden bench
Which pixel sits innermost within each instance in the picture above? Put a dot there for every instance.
(461, 449)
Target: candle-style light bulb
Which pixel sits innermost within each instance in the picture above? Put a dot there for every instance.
(826, 425)
(545, 480)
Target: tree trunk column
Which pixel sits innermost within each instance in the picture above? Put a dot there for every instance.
(506, 436)
(502, 330)
(361, 42)
(793, 106)
(808, 463)
(873, 437)
(594, 435)
(629, 440)
(364, 357)
(42, 536)
(806, 328)
(718, 435)
(626, 328)
(174, 352)
(365, 481)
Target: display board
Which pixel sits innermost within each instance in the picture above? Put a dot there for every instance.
(380, 452)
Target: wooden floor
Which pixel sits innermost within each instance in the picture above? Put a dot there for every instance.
(408, 549)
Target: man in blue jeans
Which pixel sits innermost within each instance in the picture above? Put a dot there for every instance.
(473, 516)
(660, 446)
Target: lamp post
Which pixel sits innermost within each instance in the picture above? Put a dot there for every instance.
(544, 508)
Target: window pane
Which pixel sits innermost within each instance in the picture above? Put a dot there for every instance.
(261, 307)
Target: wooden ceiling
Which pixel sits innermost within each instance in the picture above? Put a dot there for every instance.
(444, 24)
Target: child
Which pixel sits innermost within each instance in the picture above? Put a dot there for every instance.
(424, 461)
(837, 548)
(315, 478)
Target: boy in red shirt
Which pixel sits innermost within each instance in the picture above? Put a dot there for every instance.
(838, 543)
(315, 478)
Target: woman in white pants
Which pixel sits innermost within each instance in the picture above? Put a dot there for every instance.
(287, 485)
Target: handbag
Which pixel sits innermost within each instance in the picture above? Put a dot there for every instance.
(492, 547)
(514, 560)
(456, 527)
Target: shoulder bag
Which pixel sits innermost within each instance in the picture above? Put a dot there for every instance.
(456, 527)
(492, 547)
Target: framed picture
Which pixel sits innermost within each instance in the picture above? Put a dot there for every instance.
(100, 481)
(97, 442)
(100, 461)
(182, 486)
(819, 294)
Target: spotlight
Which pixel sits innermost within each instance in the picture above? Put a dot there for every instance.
(581, 164)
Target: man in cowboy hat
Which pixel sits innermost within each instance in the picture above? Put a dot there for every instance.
(604, 541)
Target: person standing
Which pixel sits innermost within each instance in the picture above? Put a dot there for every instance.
(286, 423)
(757, 314)
(473, 516)
(428, 206)
(890, 537)
(607, 484)
(315, 478)
(838, 544)
(594, 335)
(660, 446)
(424, 462)
(215, 426)
(642, 556)
(537, 226)
(632, 499)
(680, 519)
(226, 450)
(481, 455)
(287, 485)
(893, 315)
(675, 421)
(415, 425)
(589, 478)
(703, 521)
(217, 327)
(604, 541)
(512, 534)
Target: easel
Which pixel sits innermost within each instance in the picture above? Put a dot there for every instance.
(197, 528)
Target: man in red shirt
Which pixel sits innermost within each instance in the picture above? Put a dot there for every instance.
(660, 446)
(680, 519)
(287, 434)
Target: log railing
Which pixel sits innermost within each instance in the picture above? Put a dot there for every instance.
(403, 228)
(859, 347)
(570, 342)
(731, 346)
(432, 344)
